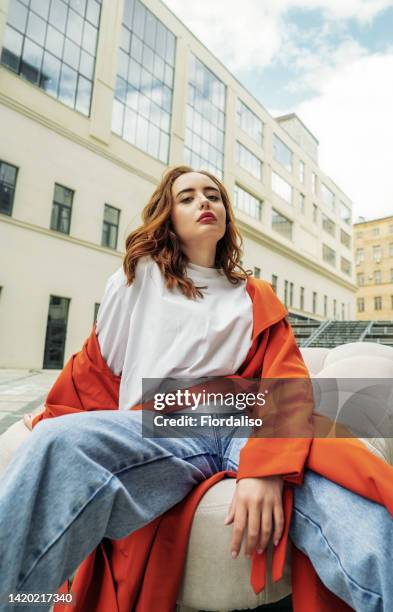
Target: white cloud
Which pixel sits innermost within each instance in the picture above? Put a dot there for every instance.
(351, 118)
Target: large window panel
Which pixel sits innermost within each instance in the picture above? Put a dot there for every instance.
(142, 105)
(205, 119)
(282, 154)
(282, 224)
(244, 201)
(8, 176)
(327, 197)
(282, 188)
(249, 122)
(52, 44)
(248, 161)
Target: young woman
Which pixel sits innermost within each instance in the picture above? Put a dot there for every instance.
(178, 307)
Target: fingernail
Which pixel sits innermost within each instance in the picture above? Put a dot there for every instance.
(260, 551)
(275, 542)
(234, 554)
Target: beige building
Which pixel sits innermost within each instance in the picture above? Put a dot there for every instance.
(97, 98)
(374, 269)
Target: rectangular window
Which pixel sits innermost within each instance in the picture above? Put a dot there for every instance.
(390, 249)
(328, 225)
(314, 182)
(281, 224)
(327, 197)
(286, 293)
(391, 301)
(249, 122)
(342, 311)
(315, 213)
(302, 203)
(375, 231)
(377, 302)
(274, 282)
(360, 304)
(345, 266)
(56, 332)
(334, 309)
(377, 253)
(61, 209)
(257, 272)
(110, 227)
(328, 255)
(302, 171)
(8, 176)
(54, 47)
(360, 279)
(248, 161)
(247, 203)
(314, 302)
(390, 229)
(359, 256)
(142, 105)
(205, 119)
(291, 294)
(345, 239)
(377, 277)
(345, 213)
(301, 298)
(391, 275)
(325, 305)
(281, 153)
(282, 188)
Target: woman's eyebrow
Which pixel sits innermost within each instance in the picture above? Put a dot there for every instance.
(192, 189)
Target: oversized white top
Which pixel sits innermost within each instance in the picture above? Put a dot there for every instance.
(148, 331)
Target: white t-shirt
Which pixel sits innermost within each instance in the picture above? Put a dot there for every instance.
(148, 331)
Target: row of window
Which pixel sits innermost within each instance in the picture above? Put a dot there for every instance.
(376, 277)
(289, 299)
(376, 251)
(375, 231)
(53, 44)
(60, 220)
(379, 302)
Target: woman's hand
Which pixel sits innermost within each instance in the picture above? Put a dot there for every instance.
(256, 505)
(27, 419)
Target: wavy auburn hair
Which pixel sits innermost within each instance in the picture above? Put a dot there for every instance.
(156, 237)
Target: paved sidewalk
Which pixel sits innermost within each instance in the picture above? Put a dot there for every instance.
(23, 391)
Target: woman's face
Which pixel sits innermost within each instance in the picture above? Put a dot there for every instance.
(194, 194)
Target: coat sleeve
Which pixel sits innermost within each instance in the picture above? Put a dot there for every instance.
(285, 456)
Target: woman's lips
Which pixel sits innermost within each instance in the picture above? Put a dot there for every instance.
(207, 219)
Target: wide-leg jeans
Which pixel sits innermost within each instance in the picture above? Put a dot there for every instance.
(82, 477)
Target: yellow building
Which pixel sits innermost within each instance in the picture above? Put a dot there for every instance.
(374, 268)
(97, 97)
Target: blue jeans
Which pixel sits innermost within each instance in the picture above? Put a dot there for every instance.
(82, 477)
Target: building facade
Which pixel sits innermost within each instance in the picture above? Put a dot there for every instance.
(374, 269)
(97, 98)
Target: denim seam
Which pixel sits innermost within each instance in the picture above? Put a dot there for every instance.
(366, 590)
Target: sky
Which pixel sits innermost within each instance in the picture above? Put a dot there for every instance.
(329, 61)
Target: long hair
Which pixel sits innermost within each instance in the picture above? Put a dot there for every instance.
(156, 238)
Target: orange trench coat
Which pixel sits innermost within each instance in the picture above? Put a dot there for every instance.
(133, 573)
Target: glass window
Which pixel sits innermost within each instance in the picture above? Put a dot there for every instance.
(345, 266)
(56, 332)
(360, 304)
(328, 255)
(314, 302)
(377, 254)
(377, 277)
(391, 275)
(281, 224)
(291, 294)
(345, 239)
(142, 106)
(328, 225)
(301, 298)
(302, 203)
(281, 153)
(359, 256)
(390, 229)
(327, 197)
(110, 227)
(249, 122)
(257, 272)
(375, 231)
(248, 161)
(53, 45)
(378, 302)
(391, 249)
(274, 282)
(8, 176)
(244, 201)
(325, 305)
(286, 293)
(205, 119)
(315, 213)
(61, 209)
(334, 309)
(302, 171)
(282, 188)
(360, 279)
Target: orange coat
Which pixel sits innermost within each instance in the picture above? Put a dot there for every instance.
(133, 573)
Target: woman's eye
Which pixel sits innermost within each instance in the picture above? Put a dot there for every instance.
(213, 197)
(187, 200)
